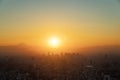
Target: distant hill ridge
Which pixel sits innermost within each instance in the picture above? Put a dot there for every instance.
(25, 49)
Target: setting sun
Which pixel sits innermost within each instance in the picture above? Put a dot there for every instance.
(54, 42)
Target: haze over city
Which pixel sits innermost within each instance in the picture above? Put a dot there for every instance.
(59, 39)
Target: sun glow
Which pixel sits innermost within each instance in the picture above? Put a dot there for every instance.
(54, 42)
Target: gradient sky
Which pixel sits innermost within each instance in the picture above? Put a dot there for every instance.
(77, 22)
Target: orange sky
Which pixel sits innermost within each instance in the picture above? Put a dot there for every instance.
(75, 23)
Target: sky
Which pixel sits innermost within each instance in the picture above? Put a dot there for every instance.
(76, 23)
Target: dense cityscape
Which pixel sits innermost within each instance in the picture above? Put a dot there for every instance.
(65, 66)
